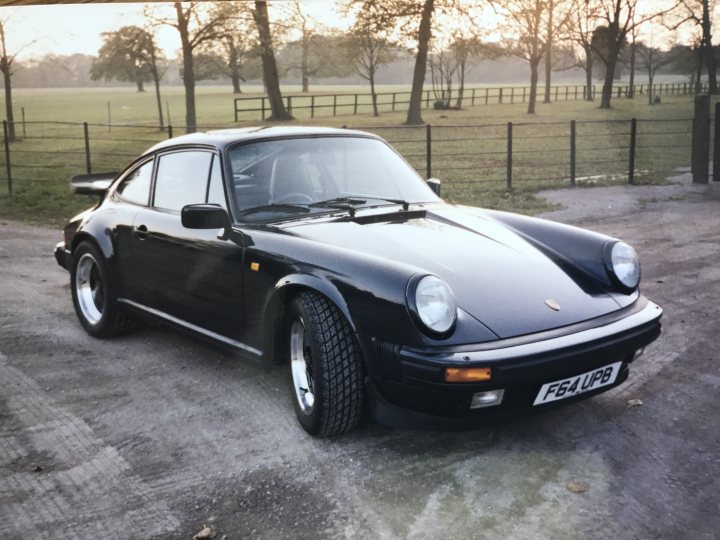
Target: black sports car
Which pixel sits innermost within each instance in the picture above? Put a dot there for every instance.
(322, 249)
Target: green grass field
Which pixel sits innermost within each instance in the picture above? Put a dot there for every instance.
(468, 146)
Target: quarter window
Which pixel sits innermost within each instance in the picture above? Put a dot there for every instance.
(136, 186)
(216, 193)
(182, 179)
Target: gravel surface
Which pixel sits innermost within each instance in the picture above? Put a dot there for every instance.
(154, 434)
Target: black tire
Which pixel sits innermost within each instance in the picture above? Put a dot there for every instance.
(334, 367)
(97, 309)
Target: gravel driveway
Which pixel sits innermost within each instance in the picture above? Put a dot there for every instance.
(154, 434)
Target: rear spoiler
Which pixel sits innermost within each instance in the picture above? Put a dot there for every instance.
(92, 184)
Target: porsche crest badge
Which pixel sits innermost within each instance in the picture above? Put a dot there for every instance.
(552, 304)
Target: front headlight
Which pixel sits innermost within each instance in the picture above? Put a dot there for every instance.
(432, 302)
(624, 265)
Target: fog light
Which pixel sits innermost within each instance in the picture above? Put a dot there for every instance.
(487, 399)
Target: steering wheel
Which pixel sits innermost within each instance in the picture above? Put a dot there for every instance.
(295, 197)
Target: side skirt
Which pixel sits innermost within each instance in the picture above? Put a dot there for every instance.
(247, 350)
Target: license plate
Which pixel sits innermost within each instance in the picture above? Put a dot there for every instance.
(578, 384)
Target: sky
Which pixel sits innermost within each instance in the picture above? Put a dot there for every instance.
(76, 28)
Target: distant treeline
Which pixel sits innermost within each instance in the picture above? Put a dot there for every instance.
(62, 71)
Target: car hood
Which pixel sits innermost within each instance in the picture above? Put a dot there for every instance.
(497, 276)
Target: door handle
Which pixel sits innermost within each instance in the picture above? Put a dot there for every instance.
(141, 232)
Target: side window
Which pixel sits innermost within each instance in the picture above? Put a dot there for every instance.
(182, 179)
(216, 192)
(136, 186)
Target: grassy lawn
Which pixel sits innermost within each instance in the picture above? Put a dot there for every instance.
(469, 147)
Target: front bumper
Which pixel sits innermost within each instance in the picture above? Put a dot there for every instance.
(63, 255)
(419, 395)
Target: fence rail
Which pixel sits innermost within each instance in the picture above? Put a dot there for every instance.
(466, 157)
(312, 105)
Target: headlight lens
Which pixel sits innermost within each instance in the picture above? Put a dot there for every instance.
(625, 264)
(435, 304)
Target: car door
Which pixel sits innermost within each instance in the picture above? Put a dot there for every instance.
(130, 197)
(192, 276)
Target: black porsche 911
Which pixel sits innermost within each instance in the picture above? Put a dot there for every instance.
(322, 249)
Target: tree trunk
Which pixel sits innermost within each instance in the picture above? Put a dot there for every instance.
(633, 50)
(140, 85)
(650, 86)
(8, 99)
(188, 70)
(548, 52)
(373, 94)
(613, 53)
(534, 64)
(461, 87)
(234, 69)
(156, 79)
(271, 78)
(698, 75)
(304, 65)
(414, 115)
(709, 52)
(588, 74)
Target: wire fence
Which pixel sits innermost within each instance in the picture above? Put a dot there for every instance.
(313, 105)
(465, 157)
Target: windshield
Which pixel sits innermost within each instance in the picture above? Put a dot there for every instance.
(279, 178)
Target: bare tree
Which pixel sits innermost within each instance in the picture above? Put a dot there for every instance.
(366, 52)
(414, 18)
(700, 13)
(584, 14)
(443, 66)
(465, 48)
(524, 19)
(558, 16)
(7, 61)
(270, 71)
(618, 18)
(652, 60)
(196, 26)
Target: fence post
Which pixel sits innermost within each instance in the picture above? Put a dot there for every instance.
(86, 131)
(512, 95)
(509, 154)
(500, 97)
(335, 105)
(633, 141)
(22, 112)
(393, 102)
(487, 93)
(472, 102)
(355, 107)
(701, 140)
(523, 94)
(6, 140)
(556, 93)
(427, 99)
(262, 106)
(289, 108)
(312, 106)
(428, 150)
(170, 133)
(572, 152)
(109, 118)
(716, 145)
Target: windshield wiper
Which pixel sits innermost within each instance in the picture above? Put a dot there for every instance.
(405, 204)
(303, 208)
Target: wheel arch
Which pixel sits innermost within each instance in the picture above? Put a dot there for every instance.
(275, 313)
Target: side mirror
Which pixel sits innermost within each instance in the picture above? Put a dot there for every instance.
(434, 184)
(206, 216)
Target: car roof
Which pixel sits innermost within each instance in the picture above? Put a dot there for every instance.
(220, 138)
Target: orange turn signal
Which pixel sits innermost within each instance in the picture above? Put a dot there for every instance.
(467, 374)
